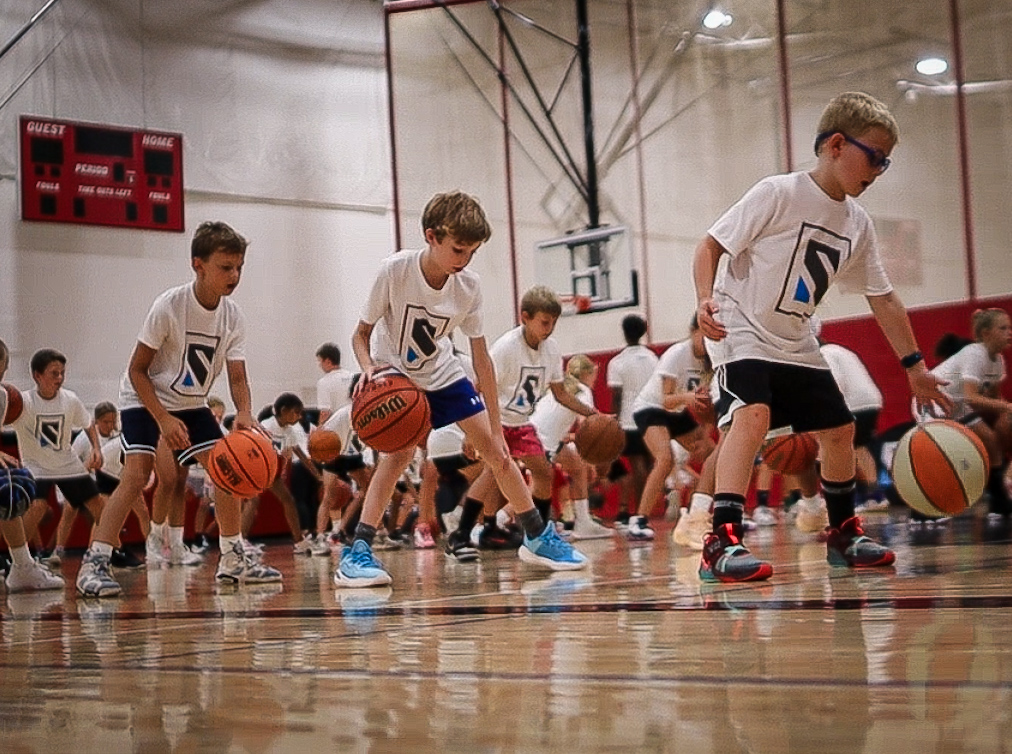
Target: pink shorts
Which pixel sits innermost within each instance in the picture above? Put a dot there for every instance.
(523, 441)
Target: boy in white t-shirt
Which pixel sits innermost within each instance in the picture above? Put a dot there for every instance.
(289, 439)
(422, 297)
(627, 373)
(44, 429)
(333, 389)
(25, 574)
(528, 363)
(191, 333)
(760, 272)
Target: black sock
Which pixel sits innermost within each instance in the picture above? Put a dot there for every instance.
(544, 507)
(1000, 502)
(365, 532)
(762, 497)
(469, 517)
(839, 501)
(531, 522)
(728, 508)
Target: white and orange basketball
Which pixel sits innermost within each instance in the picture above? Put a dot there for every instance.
(940, 468)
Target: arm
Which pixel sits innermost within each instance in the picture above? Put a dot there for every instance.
(484, 370)
(979, 400)
(173, 430)
(616, 400)
(96, 460)
(892, 318)
(238, 385)
(360, 346)
(570, 401)
(307, 462)
(704, 271)
(674, 398)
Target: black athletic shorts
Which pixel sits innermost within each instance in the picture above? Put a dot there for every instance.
(634, 445)
(865, 424)
(806, 399)
(141, 433)
(77, 489)
(677, 424)
(106, 483)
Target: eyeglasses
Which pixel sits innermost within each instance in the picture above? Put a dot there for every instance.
(876, 159)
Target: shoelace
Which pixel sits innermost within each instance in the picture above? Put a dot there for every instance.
(363, 558)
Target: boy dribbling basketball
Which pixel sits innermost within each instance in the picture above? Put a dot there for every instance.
(422, 297)
(190, 334)
(787, 240)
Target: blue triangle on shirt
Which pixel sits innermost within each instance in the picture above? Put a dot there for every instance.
(412, 356)
(802, 293)
(188, 380)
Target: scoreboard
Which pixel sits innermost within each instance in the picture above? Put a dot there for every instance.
(100, 175)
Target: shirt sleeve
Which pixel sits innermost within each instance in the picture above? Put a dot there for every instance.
(745, 220)
(235, 349)
(156, 325)
(378, 301)
(472, 325)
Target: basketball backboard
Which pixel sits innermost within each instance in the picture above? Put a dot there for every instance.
(590, 269)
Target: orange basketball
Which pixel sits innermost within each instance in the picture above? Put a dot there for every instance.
(599, 439)
(324, 445)
(15, 404)
(243, 463)
(390, 413)
(940, 468)
(790, 454)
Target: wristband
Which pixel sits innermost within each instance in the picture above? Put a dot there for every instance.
(912, 359)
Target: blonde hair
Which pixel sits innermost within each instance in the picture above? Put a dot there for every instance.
(578, 367)
(985, 319)
(539, 299)
(214, 401)
(852, 114)
(456, 214)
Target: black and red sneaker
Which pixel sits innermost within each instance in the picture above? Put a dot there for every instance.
(726, 559)
(849, 546)
(494, 538)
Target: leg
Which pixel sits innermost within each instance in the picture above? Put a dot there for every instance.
(658, 442)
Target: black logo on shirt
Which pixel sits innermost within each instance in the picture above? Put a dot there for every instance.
(197, 374)
(817, 257)
(49, 431)
(420, 333)
(528, 390)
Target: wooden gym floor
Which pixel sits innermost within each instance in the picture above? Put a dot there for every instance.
(633, 655)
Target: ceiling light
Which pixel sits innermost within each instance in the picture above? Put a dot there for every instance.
(717, 18)
(932, 66)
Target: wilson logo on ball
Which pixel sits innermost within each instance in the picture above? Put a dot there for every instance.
(227, 471)
(388, 408)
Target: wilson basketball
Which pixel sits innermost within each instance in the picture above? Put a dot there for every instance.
(17, 490)
(940, 468)
(324, 445)
(599, 439)
(390, 413)
(243, 463)
(15, 403)
(791, 454)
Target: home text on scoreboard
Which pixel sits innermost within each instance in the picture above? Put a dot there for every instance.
(100, 175)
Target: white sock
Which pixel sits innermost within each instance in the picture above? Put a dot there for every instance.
(22, 556)
(157, 531)
(225, 544)
(700, 503)
(502, 518)
(581, 511)
(813, 502)
(101, 548)
(175, 536)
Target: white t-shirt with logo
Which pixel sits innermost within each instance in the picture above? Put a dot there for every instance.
(678, 363)
(285, 439)
(420, 319)
(340, 423)
(552, 420)
(859, 390)
(629, 370)
(192, 345)
(333, 389)
(787, 242)
(523, 374)
(82, 449)
(45, 430)
(973, 364)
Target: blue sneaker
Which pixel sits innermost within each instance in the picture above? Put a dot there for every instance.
(359, 567)
(548, 549)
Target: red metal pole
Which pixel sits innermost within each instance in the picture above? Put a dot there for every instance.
(964, 153)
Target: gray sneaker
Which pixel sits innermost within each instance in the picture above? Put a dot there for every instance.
(94, 579)
(236, 566)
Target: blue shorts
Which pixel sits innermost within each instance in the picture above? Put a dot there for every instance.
(454, 403)
(141, 432)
